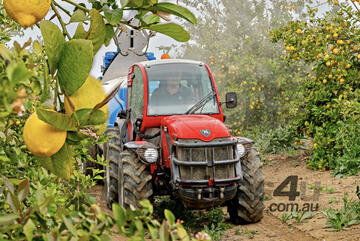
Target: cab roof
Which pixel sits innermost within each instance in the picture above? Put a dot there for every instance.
(169, 61)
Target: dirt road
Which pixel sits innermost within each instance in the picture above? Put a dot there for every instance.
(325, 187)
(315, 192)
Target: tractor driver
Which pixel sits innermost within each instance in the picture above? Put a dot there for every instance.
(172, 93)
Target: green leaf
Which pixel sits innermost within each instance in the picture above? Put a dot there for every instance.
(14, 202)
(61, 163)
(147, 205)
(73, 137)
(124, 3)
(54, 42)
(113, 16)
(97, 117)
(58, 120)
(17, 72)
(109, 34)
(69, 225)
(175, 10)
(75, 64)
(5, 52)
(172, 30)
(78, 16)
(29, 229)
(23, 189)
(151, 19)
(182, 234)
(37, 47)
(80, 32)
(139, 226)
(169, 216)
(97, 30)
(105, 237)
(149, 3)
(119, 214)
(132, 3)
(8, 184)
(8, 219)
(164, 233)
(153, 231)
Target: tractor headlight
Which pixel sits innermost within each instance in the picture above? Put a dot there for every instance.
(241, 150)
(151, 155)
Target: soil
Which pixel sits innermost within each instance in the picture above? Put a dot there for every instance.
(276, 169)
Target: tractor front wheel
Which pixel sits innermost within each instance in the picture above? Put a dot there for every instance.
(248, 205)
(128, 180)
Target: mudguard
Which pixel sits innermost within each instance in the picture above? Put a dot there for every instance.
(244, 140)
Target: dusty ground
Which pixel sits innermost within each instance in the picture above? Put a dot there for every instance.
(276, 169)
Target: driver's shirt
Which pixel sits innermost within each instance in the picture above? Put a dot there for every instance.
(161, 96)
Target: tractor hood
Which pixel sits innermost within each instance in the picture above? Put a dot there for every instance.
(201, 127)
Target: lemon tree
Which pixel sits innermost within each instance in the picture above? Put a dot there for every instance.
(247, 62)
(35, 79)
(329, 109)
(65, 71)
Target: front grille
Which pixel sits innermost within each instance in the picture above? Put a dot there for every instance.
(206, 154)
(199, 162)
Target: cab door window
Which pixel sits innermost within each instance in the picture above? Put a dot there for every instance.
(137, 95)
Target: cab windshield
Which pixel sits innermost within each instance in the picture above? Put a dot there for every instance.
(175, 88)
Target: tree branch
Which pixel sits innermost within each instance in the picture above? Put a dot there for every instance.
(63, 9)
(60, 20)
(77, 5)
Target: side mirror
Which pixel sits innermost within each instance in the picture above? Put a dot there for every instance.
(231, 100)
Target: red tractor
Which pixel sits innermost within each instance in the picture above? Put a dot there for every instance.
(171, 140)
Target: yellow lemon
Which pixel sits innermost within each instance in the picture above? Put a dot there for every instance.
(324, 81)
(88, 95)
(298, 31)
(41, 138)
(27, 12)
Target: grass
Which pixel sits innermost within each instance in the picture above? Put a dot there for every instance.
(249, 233)
(341, 219)
(329, 190)
(297, 216)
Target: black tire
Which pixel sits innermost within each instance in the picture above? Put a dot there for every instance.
(248, 205)
(112, 152)
(128, 180)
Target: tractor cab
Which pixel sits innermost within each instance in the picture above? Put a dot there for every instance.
(162, 88)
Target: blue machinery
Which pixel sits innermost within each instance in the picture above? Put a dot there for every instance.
(118, 103)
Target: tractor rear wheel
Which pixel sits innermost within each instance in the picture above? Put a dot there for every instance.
(128, 180)
(112, 152)
(248, 205)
